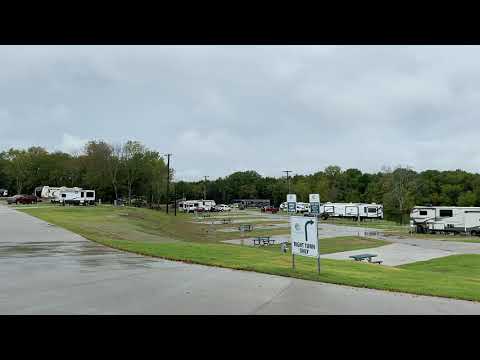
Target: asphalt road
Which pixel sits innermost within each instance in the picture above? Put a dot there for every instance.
(48, 270)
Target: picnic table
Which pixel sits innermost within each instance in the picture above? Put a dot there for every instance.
(368, 257)
(263, 240)
(245, 227)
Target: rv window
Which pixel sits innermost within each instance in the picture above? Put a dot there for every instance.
(82, 194)
(365, 209)
(64, 195)
(90, 194)
(372, 210)
(423, 212)
(446, 213)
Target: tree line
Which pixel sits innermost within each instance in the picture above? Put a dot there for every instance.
(398, 189)
(131, 170)
(127, 171)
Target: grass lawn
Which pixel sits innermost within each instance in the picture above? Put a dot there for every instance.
(154, 233)
(374, 224)
(340, 243)
(440, 237)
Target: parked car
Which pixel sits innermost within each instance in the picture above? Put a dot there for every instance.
(13, 199)
(270, 209)
(22, 199)
(223, 207)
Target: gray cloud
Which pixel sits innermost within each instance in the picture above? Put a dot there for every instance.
(219, 109)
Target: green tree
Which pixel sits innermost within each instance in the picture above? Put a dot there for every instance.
(468, 198)
(133, 153)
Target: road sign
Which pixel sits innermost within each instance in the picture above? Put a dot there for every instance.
(314, 203)
(292, 203)
(291, 198)
(304, 236)
(315, 208)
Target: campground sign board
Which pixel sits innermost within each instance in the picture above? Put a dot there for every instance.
(292, 203)
(304, 236)
(314, 203)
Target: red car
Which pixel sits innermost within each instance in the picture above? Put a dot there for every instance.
(22, 199)
(270, 209)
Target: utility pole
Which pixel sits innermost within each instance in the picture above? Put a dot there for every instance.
(168, 178)
(205, 189)
(175, 194)
(288, 179)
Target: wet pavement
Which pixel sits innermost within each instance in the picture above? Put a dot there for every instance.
(48, 270)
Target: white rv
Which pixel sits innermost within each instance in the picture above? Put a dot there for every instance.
(445, 219)
(49, 192)
(301, 207)
(190, 206)
(3, 192)
(76, 196)
(352, 210)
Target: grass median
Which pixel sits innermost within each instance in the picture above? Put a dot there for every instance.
(153, 233)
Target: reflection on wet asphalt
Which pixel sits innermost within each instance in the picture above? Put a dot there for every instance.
(81, 253)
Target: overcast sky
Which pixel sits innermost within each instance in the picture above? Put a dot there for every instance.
(221, 109)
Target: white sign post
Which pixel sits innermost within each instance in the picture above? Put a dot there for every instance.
(314, 203)
(292, 203)
(304, 237)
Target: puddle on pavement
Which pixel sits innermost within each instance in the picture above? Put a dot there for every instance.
(37, 249)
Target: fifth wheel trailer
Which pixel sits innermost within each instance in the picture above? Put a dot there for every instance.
(76, 197)
(191, 206)
(352, 210)
(445, 219)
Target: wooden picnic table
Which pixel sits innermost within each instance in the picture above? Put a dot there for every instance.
(263, 240)
(361, 257)
(368, 257)
(245, 227)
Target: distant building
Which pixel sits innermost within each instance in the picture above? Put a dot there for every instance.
(252, 202)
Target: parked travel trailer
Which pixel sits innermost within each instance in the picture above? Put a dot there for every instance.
(246, 203)
(301, 207)
(352, 210)
(445, 219)
(190, 206)
(48, 192)
(76, 196)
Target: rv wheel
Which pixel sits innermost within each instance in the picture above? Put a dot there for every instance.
(474, 233)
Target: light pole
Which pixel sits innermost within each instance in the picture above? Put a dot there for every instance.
(168, 178)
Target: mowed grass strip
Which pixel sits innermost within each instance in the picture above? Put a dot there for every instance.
(339, 244)
(176, 239)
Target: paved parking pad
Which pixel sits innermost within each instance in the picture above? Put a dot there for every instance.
(393, 254)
